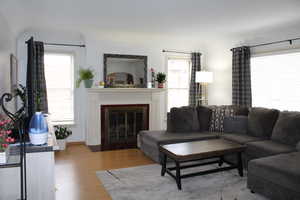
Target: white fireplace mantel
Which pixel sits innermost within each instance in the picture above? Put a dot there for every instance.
(118, 96)
(125, 90)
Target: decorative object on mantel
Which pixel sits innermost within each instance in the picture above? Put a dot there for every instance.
(152, 77)
(62, 133)
(85, 75)
(6, 126)
(203, 78)
(161, 79)
(101, 84)
(125, 71)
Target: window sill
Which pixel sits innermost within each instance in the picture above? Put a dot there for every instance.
(63, 123)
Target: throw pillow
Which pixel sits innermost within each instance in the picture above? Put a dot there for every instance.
(240, 110)
(287, 128)
(217, 117)
(236, 124)
(184, 119)
(204, 115)
(261, 122)
(169, 124)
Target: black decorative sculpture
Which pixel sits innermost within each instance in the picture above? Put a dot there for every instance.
(19, 120)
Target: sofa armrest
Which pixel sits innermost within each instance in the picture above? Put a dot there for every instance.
(236, 124)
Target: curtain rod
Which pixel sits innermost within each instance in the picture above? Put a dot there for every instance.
(276, 42)
(59, 44)
(173, 51)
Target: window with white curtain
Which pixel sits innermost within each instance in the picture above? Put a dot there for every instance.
(179, 70)
(276, 81)
(59, 73)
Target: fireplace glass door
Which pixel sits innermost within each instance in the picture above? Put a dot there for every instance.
(121, 124)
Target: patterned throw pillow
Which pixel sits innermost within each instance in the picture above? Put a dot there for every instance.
(218, 115)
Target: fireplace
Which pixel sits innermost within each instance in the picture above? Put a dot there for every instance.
(120, 125)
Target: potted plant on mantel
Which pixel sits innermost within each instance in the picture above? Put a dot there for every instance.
(161, 79)
(5, 130)
(61, 133)
(85, 75)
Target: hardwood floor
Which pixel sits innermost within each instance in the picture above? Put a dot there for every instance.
(76, 169)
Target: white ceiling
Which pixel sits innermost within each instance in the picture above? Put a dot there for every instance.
(202, 19)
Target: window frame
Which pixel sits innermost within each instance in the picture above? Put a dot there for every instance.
(175, 57)
(73, 54)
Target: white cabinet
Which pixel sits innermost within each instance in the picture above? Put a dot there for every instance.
(40, 178)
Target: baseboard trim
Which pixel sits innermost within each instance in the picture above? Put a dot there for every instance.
(75, 143)
(95, 148)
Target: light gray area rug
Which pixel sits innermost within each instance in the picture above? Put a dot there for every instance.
(145, 183)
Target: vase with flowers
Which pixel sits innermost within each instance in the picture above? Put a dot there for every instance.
(5, 139)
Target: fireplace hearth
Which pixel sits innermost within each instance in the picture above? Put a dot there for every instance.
(120, 125)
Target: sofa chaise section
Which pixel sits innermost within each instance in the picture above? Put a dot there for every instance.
(150, 140)
(276, 177)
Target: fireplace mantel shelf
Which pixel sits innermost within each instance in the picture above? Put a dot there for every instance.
(126, 90)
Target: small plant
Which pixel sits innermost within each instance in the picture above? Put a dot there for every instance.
(84, 74)
(6, 127)
(62, 132)
(161, 77)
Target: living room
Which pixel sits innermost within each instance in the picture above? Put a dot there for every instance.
(247, 51)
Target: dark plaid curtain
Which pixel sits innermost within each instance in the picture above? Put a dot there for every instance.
(194, 89)
(241, 77)
(35, 82)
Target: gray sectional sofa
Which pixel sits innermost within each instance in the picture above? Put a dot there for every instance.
(272, 140)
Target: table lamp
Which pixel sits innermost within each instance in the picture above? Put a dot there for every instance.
(203, 78)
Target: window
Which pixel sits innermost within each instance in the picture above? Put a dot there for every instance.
(59, 73)
(275, 81)
(178, 82)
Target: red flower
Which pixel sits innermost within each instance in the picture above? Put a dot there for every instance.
(4, 145)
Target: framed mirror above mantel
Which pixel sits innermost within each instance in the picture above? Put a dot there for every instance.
(125, 71)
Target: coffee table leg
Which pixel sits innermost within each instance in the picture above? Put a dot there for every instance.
(178, 178)
(221, 161)
(240, 164)
(163, 164)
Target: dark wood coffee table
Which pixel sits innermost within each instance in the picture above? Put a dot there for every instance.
(200, 150)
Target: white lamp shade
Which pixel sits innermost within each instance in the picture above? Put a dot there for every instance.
(204, 77)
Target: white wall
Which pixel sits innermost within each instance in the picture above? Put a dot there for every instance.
(7, 46)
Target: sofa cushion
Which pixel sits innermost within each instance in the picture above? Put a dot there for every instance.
(283, 169)
(261, 122)
(204, 115)
(287, 128)
(163, 137)
(267, 148)
(236, 124)
(184, 119)
(239, 138)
